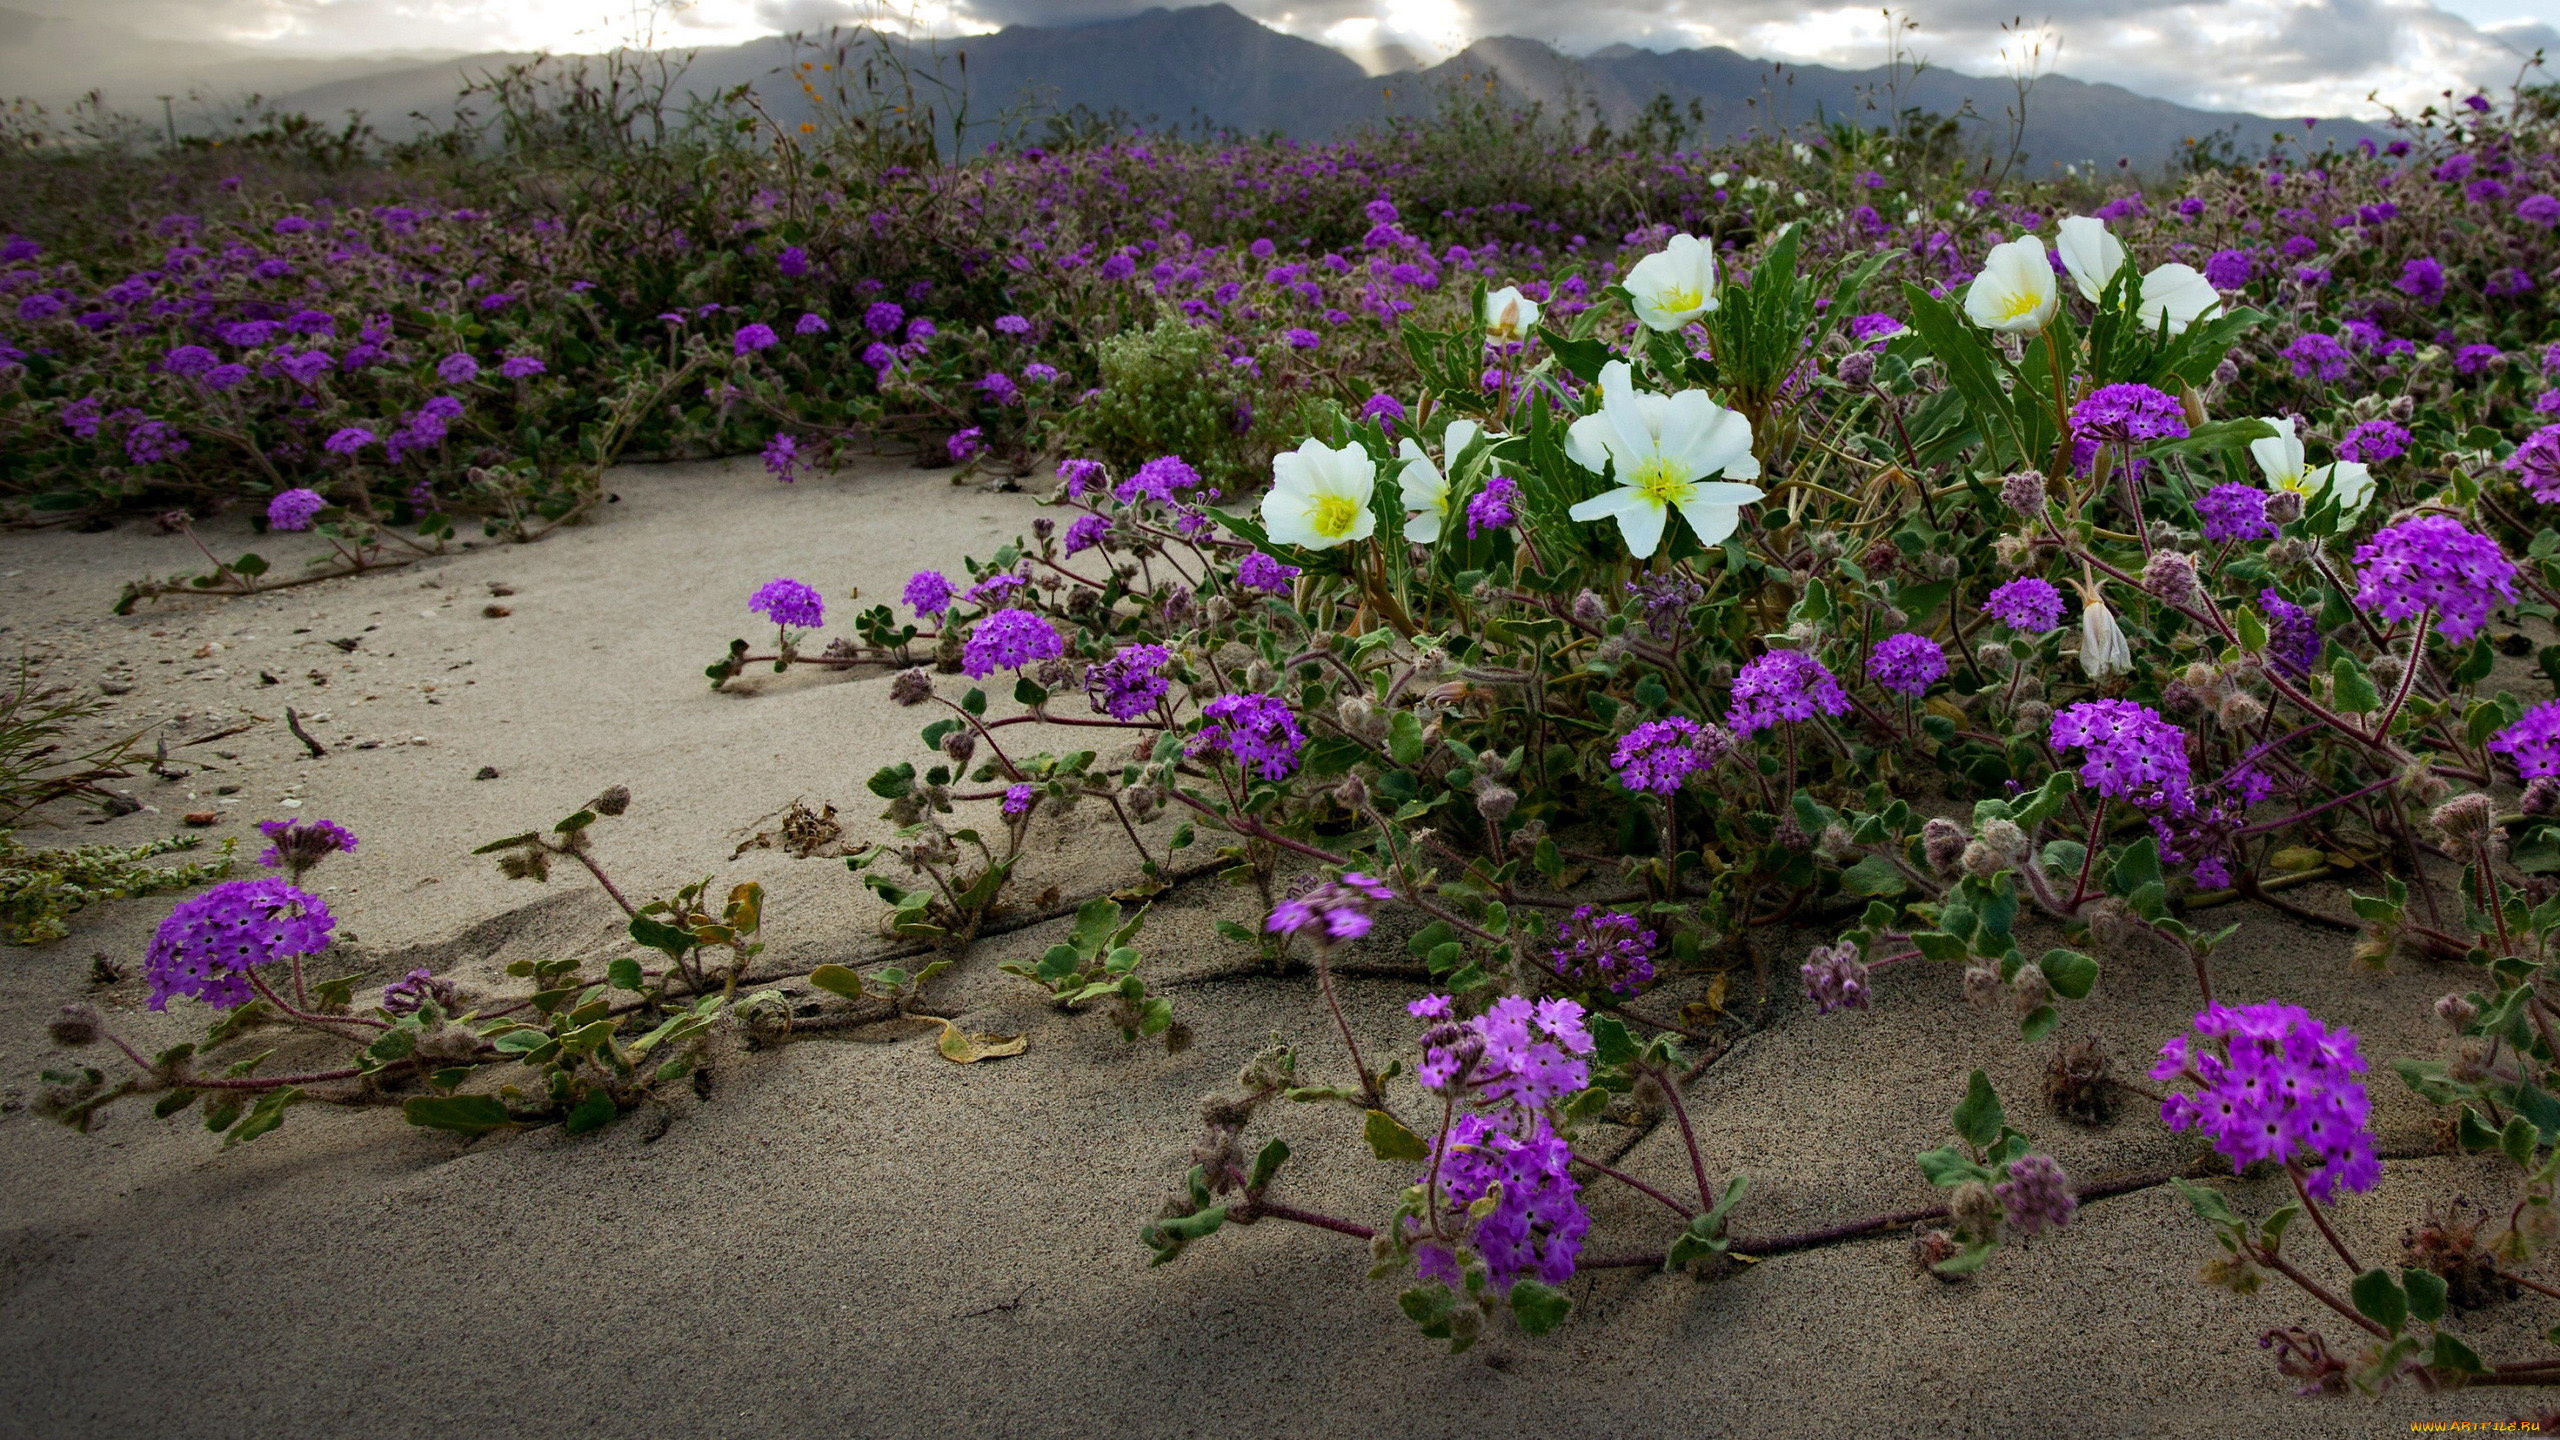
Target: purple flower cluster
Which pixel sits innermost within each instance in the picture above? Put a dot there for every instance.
(2432, 563)
(1009, 640)
(1490, 508)
(1656, 757)
(1160, 480)
(2027, 605)
(2373, 442)
(2129, 414)
(1258, 571)
(1536, 1228)
(2317, 356)
(2533, 742)
(928, 592)
(2293, 636)
(2536, 464)
(1782, 685)
(297, 845)
(1130, 683)
(2274, 1084)
(1331, 910)
(1604, 950)
(407, 994)
(294, 509)
(782, 457)
(1017, 801)
(1835, 977)
(1907, 664)
(1260, 731)
(789, 604)
(209, 944)
(2129, 752)
(2036, 1196)
(1086, 533)
(2235, 512)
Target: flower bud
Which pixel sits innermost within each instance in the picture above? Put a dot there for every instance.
(1974, 1209)
(2541, 795)
(960, 744)
(1857, 369)
(2401, 408)
(1589, 610)
(2465, 818)
(2284, 506)
(1981, 984)
(2239, 710)
(1494, 800)
(2024, 493)
(2456, 1011)
(614, 800)
(2171, 576)
(2029, 990)
(1942, 842)
(911, 687)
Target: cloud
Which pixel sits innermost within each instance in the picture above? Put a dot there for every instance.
(2273, 56)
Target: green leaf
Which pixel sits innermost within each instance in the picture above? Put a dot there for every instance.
(2380, 1299)
(1404, 738)
(594, 1111)
(2426, 1293)
(461, 1114)
(1978, 1117)
(625, 974)
(1267, 1164)
(2071, 973)
(2356, 694)
(1540, 1307)
(2207, 1202)
(1873, 876)
(2451, 1353)
(1390, 1140)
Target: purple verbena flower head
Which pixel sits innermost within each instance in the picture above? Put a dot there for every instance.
(1130, 683)
(2129, 414)
(2374, 441)
(294, 509)
(352, 440)
(752, 338)
(2431, 563)
(1835, 978)
(2533, 742)
(2127, 751)
(1333, 910)
(521, 367)
(789, 604)
(2293, 636)
(1383, 408)
(298, 845)
(2315, 355)
(2536, 464)
(1491, 507)
(1907, 664)
(1658, 756)
(2235, 512)
(1160, 480)
(2027, 605)
(883, 318)
(2274, 1084)
(2229, 269)
(928, 592)
(782, 457)
(209, 944)
(1604, 950)
(1258, 571)
(1012, 325)
(1259, 731)
(457, 369)
(2422, 280)
(965, 444)
(1782, 685)
(1008, 640)
(2036, 1196)
(1018, 800)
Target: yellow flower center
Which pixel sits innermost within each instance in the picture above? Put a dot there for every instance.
(1680, 299)
(2021, 303)
(1334, 515)
(1661, 483)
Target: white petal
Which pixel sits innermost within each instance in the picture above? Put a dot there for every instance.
(1712, 522)
(2091, 254)
(1422, 527)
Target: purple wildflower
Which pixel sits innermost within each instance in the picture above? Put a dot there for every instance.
(1260, 731)
(2533, 742)
(1087, 532)
(2374, 441)
(2422, 280)
(457, 369)
(209, 944)
(2274, 1084)
(2036, 1195)
(1009, 640)
(1258, 571)
(2293, 636)
(298, 845)
(966, 444)
(2235, 512)
(1159, 480)
(1490, 508)
(1333, 910)
(2027, 605)
(2129, 414)
(1835, 978)
(928, 592)
(2313, 354)
(1130, 683)
(2536, 464)
(752, 338)
(293, 509)
(521, 367)
(2229, 269)
(1907, 664)
(1656, 757)
(406, 995)
(883, 318)
(1604, 950)
(782, 457)
(789, 604)
(352, 440)
(1782, 685)
(1018, 800)
(2129, 752)
(2432, 563)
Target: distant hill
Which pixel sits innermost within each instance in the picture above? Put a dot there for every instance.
(55, 61)
(1209, 65)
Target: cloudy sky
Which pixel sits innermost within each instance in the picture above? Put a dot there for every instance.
(2281, 57)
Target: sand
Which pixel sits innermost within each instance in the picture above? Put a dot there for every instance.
(849, 1235)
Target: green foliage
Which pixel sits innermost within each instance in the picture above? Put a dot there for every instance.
(42, 888)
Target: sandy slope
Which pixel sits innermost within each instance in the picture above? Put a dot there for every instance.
(851, 1236)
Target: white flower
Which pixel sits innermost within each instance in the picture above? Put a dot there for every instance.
(1424, 487)
(1664, 447)
(1673, 285)
(2091, 254)
(1319, 496)
(2015, 293)
(1509, 315)
(1802, 152)
(2280, 459)
(2178, 296)
(1716, 181)
(2103, 650)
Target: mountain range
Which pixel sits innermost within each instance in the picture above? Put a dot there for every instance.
(1209, 66)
